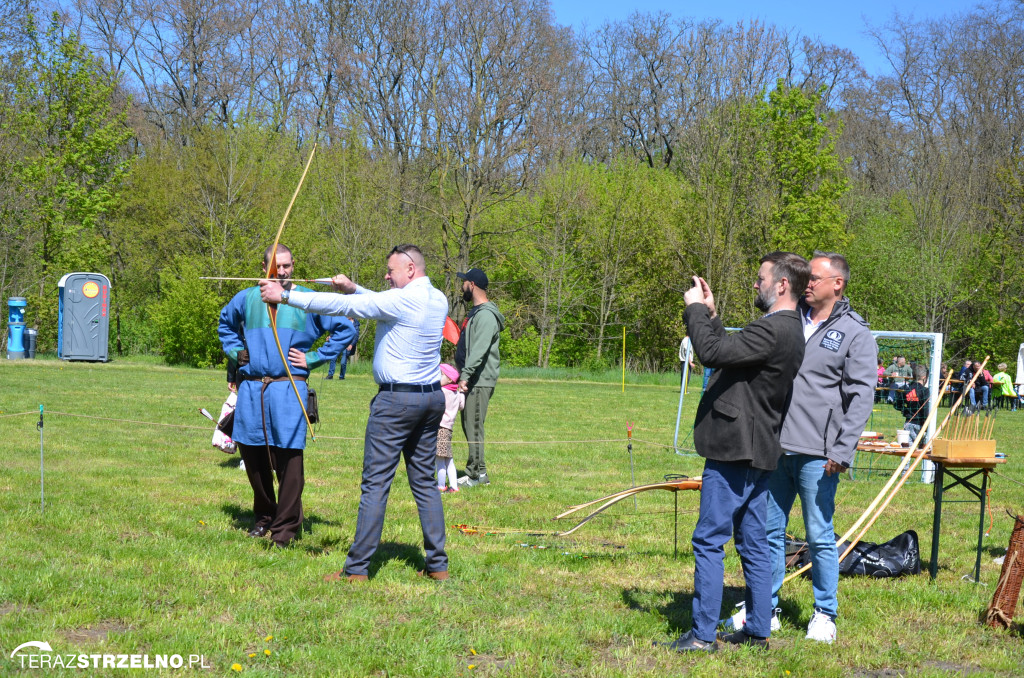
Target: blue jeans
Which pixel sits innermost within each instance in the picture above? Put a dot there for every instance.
(805, 475)
(733, 500)
(973, 396)
(343, 359)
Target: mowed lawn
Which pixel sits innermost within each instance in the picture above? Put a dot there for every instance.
(142, 548)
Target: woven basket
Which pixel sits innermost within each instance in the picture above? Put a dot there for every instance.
(1004, 602)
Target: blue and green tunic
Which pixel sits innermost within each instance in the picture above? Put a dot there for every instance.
(245, 324)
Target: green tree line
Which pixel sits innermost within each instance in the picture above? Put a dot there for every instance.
(591, 174)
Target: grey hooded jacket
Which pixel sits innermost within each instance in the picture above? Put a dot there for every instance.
(834, 389)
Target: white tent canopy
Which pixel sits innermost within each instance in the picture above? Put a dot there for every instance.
(1020, 366)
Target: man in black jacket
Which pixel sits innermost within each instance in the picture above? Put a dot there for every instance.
(737, 432)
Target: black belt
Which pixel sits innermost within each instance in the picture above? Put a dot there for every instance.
(411, 388)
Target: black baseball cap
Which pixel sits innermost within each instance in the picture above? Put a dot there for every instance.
(475, 276)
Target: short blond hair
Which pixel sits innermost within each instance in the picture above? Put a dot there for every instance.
(1001, 367)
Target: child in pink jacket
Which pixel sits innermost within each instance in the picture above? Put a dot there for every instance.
(454, 401)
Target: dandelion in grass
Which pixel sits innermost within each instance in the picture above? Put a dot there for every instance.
(202, 522)
(266, 652)
(251, 655)
(471, 667)
(472, 651)
(236, 667)
(268, 639)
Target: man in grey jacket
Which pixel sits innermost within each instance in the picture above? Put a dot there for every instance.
(832, 398)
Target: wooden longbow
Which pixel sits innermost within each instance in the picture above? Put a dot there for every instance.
(612, 499)
(272, 308)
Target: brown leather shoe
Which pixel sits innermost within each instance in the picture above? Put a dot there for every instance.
(436, 576)
(341, 576)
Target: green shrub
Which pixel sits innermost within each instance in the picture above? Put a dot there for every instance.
(520, 351)
(186, 317)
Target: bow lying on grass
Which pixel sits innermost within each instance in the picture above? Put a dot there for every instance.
(612, 499)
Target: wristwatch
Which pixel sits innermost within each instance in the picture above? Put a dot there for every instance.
(285, 294)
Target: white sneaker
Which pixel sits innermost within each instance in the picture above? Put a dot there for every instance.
(739, 620)
(473, 482)
(821, 628)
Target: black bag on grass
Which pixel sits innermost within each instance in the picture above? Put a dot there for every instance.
(896, 557)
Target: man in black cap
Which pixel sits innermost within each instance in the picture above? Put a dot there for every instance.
(478, 362)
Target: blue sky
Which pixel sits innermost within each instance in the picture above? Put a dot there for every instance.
(839, 23)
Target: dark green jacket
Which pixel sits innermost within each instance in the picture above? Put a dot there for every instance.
(476, 355)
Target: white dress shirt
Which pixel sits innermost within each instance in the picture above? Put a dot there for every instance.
(407, 346)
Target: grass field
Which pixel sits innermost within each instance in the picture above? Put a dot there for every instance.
(142, 548)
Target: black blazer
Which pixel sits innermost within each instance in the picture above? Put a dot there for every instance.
(740, 416)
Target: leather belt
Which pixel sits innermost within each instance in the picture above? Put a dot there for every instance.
(268, 380)
(411, 388)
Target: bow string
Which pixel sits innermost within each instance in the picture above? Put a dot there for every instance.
(272, 308)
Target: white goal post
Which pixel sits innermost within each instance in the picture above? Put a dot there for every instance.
(935, 363)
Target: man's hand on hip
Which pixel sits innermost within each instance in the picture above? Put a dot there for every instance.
(297, 358)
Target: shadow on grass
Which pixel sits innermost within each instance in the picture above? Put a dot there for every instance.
(678, 611)
(243, 519)
(993, 551)
(390, 550)
(230, 462)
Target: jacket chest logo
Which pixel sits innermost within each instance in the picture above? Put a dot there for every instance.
(832, 340)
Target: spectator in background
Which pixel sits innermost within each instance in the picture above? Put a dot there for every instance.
(881, 383)
(349, 351)
(899, 375)
(979, 393)
(964, 375)
(1002, 384)
(915, 403)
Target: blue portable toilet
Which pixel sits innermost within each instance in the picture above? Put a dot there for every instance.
(16, 328)
(83, 318)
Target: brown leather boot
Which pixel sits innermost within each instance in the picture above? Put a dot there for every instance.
(437, 576)
(341, 576)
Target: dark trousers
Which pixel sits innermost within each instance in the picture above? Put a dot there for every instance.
(400, 425)
(473, 416)
(282, 517)
(733, 501)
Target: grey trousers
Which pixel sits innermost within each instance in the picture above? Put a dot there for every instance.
(400, 424)
(473, 416)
